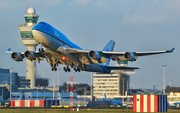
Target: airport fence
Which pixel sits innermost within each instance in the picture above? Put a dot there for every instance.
(46, 103)
(75, 103)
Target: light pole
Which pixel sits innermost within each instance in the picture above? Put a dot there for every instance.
(53, 83)
(10, 82)
(91, 87)
(53, 92)
(58, 83)
(123, 89)
(37, 93)
(2, 92)
(164, 75)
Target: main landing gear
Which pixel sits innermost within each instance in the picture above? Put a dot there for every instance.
(54, 68)
(41, 49)
(76, 69)
(66, 69)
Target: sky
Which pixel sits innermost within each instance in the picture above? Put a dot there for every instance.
(135, 25)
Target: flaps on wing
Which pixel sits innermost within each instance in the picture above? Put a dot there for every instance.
(119, 67)
(72, 50)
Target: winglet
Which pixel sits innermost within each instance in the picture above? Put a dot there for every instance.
(170, 50)
(8, 51)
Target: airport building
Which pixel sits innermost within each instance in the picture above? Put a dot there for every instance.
(5, 76)
(80, 89)
(113, 85)
(17, 83)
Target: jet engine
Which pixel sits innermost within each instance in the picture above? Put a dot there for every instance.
(30, 55)
(130, 56)
(94, 55)
(17, 56)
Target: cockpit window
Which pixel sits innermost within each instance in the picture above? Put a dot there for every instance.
(41, 23)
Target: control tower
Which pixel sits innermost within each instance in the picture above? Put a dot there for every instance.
(25, 30)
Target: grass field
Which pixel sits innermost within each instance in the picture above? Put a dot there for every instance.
(66, 111)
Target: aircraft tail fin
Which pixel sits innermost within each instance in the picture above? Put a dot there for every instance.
(105, 96)
(109, 47)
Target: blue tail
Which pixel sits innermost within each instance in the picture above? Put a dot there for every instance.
(105, 98)
(109, 47)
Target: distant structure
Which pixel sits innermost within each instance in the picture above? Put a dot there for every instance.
(79, 88)
(170, 89)
(25, 31)
(113, 85)
(5, 77)
(19, 81)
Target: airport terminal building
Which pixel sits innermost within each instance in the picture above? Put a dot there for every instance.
(113, 85)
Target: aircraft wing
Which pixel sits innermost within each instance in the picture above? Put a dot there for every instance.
(122, 55)
(109, 53)
(31, 55)
(36, 53)
(119, 57)
(137, 53)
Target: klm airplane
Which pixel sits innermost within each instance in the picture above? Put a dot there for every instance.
(114, 102)
(61, 50)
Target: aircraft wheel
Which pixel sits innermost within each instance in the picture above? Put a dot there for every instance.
(55, 69)
(75, 69)
(54, 65)
(65, 69)
(41, 50)
(68, 70)
(52, 69)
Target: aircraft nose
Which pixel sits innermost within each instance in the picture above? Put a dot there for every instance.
(36, 31)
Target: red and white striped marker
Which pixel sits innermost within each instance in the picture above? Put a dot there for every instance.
(145, 103)
(71, 92)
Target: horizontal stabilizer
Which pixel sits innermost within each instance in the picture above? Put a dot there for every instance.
(119, 67)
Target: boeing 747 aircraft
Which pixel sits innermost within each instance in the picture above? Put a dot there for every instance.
(61, 50)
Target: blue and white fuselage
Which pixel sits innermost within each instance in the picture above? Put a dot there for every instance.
(50, 36)
(52, 39)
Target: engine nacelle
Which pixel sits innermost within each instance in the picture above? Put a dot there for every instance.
(30, 55)
(130, 56)
(17, 56)
(94, 55)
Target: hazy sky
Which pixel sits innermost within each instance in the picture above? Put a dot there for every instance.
(135, 25)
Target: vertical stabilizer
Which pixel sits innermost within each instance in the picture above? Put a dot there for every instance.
(109, 47)
(105, 96)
